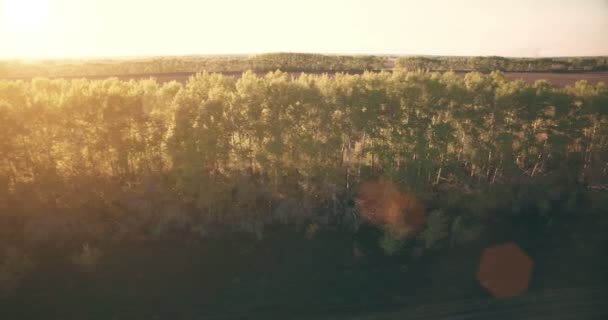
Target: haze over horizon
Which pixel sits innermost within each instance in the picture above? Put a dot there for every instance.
(115, 28)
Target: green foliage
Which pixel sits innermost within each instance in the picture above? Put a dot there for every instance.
(437, 230)
(393, 243)
(90, 160)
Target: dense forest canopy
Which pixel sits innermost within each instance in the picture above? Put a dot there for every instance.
(302, 137)
(112, 162)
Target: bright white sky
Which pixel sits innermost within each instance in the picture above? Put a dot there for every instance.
(86, 28)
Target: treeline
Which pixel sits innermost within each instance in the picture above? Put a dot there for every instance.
(289, 62)
(493, 63)
(104, 162)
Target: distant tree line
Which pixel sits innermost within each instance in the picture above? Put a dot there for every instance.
(289, 62)
(494, 63)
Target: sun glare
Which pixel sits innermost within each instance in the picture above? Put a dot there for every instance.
(25, 15)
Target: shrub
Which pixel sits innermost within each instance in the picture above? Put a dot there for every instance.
(436, 230)
(393, 242)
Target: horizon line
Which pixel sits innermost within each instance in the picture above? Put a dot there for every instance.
(250, 54)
